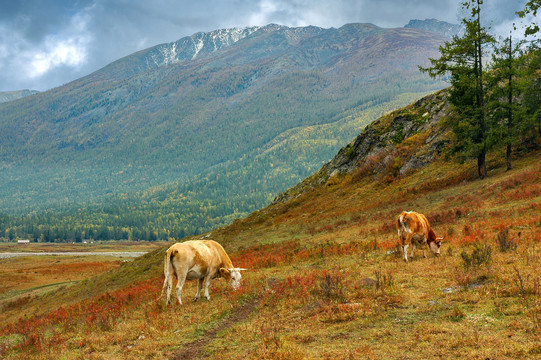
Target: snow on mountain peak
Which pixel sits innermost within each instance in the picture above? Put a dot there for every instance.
(200, 44)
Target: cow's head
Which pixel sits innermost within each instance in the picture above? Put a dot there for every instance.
(232, 276)
(434, 243)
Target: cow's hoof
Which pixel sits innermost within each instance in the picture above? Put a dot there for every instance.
(195, 299)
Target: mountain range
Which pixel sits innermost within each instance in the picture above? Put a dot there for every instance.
(217, 123)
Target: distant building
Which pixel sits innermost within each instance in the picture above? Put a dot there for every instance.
(23, 241)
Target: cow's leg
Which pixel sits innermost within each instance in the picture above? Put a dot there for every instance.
(206, 283)
(181, 278)
(407, 242)
(199, 287)
(405, 251)
(403, 246)
(180, 284)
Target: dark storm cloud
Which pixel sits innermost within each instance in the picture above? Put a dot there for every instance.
(35, 19)
(46, 43)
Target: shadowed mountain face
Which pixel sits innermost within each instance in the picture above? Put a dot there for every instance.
(266, 105)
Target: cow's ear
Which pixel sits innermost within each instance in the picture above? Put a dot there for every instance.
(431, 235)
(224, 272)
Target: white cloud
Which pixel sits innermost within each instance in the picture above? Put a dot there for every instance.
(143, 43)
(63, 49)
(71, 52)
(266, 10)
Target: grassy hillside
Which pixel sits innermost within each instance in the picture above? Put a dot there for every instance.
(325, 280)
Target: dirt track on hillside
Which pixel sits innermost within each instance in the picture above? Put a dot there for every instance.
(193, 350)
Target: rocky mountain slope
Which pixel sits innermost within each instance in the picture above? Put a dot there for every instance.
(233, 113)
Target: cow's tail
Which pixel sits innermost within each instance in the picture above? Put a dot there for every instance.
(168, 270)
(401, 224)
(168, 263)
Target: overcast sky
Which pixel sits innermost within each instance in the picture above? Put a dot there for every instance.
(47, 43)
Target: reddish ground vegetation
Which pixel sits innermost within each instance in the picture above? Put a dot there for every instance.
(323, 282)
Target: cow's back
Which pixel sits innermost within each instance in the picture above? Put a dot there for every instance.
(182, 253)
(207, 253)
(424, 226)
(413, 222)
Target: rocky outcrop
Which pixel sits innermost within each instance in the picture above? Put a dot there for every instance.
(437, 27)
(413, 134)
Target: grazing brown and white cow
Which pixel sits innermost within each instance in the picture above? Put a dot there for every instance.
(413, 228)
(200, 260)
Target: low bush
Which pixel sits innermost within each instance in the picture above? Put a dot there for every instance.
(505, 243)
(481, 255)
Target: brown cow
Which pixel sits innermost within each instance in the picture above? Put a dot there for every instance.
(200, 260)
(413, 228)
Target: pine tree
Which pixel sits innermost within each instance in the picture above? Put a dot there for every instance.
(530, 7)
(531, 77)
(504, 89)
(530, 127)
(462, 59)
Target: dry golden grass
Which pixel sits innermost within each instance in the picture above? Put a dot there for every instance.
(324, 282)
